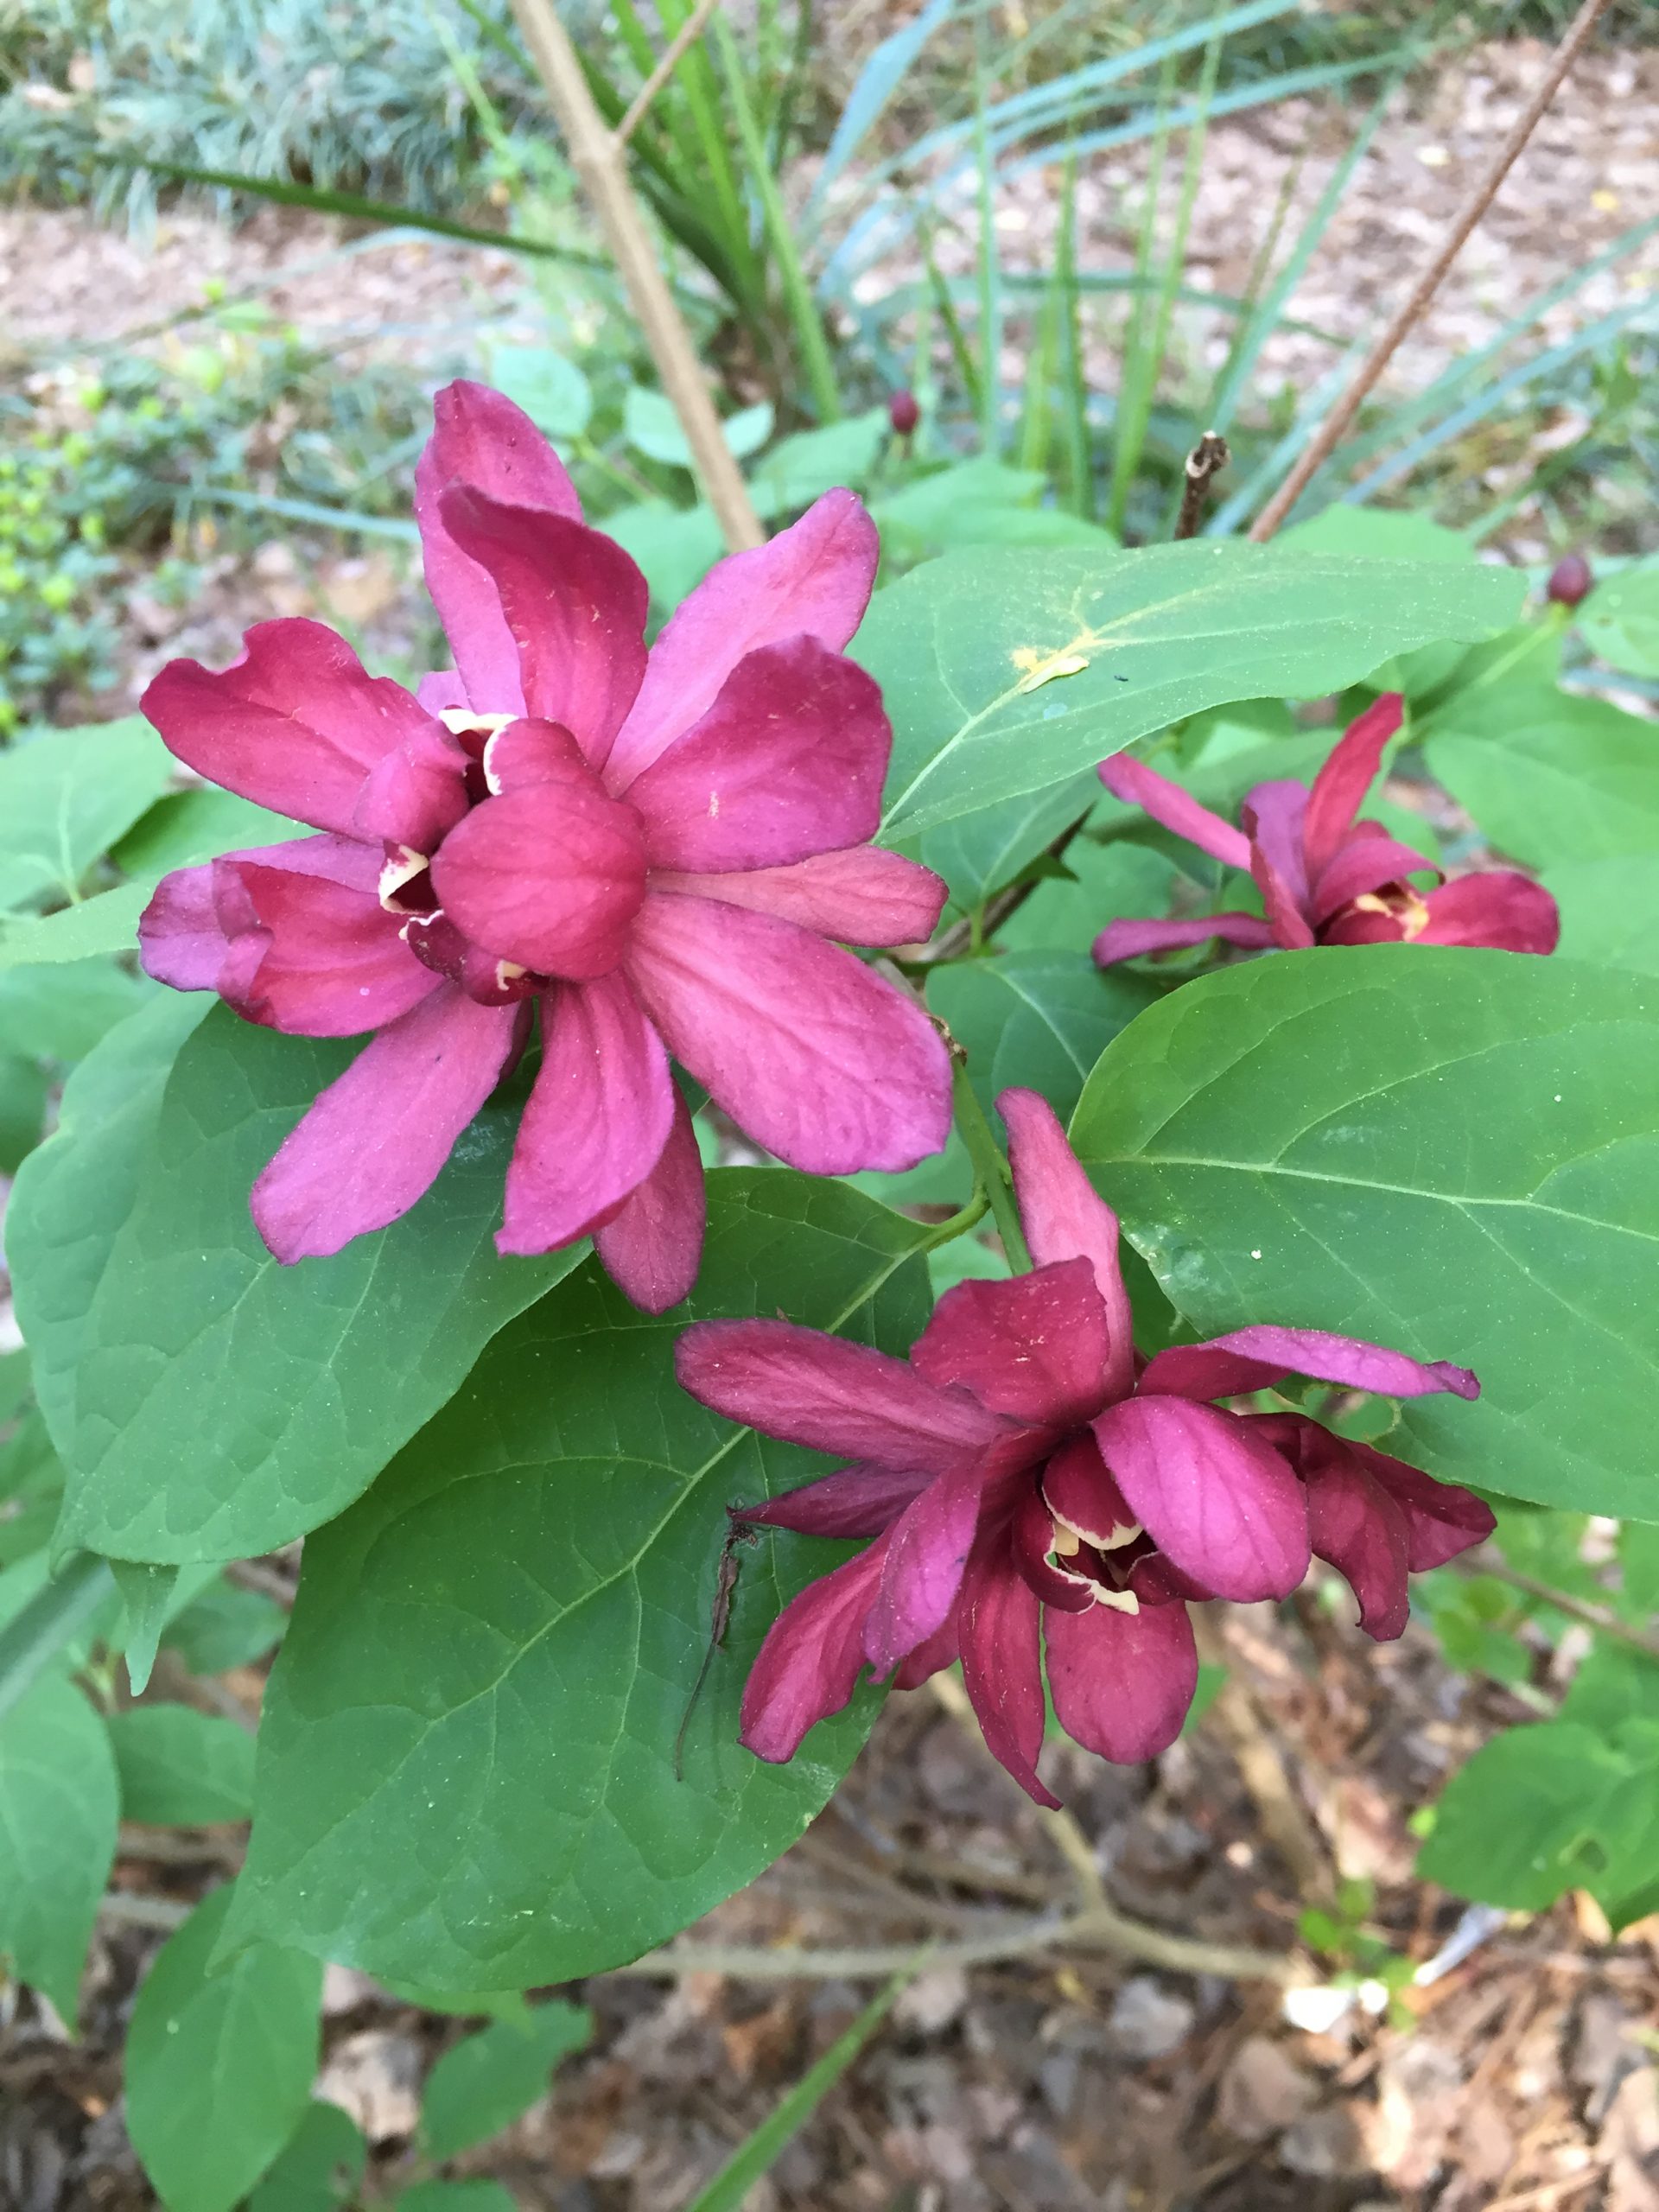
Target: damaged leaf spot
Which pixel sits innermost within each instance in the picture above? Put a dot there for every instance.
(1039, 668)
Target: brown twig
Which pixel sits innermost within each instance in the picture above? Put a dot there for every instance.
(1599, 1617)
(1203, 464)
(1284, 1818)
(600, 161)
(1337, 424)
(691, 29)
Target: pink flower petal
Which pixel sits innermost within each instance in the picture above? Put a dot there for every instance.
(812, 1054)
(480, 438)
(1497, 907)
(1035, 1347)
(440, 689)
(323, 958)
(1123, 1683)
(927, 1552)
(1273, 814)
(933, 1657)
(414, 792)
(1220, 1502)
(1441, 1519)
(1032, 1534)
(529, 752)
(1001, 1666)
(597, 1121)
(1357, 1526)
(180, 940)
(374, 1141)
(550, 875)
(1076, 1487)
(575, 605)
(1064, 1218)
(651, 1246)
(295, 724)
(865, 895)
(862, 1500)
(813, 580)
(1129, 940)
(1137, 785)
(789, 761)
(1286, 921)
(810, 1663)
(1362, 865)
(1348, 772)
(807, 1387)
(1314, 1352)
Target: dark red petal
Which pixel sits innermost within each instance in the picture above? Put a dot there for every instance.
(1122, 1683)
(1357, 1527)
(858, 1501)
(1001, 1668)
(1441, 1518)
(865, 895)
(789, 761)
(327, 960)
(1365, 864)
(1129, 940)
(651, 1246)
(550, 875)
(1315, 1352)
(1285, 916)
(1510, 912)
(1064, 1218)
(808, 1665)
(927, 1552)
(1273, 814)
(529, 752)
(1032, 1534)
(1219, 1500)
(1137, 785)
(930, 1658)
(414, 792)
(1034, 1347)
(1348, 772)
(1077, 1488)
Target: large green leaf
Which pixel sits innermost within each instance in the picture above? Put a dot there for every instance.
(1619, 621)
(1610, 910)
(181, 1767)
(466, 1774)
(1549, 776)
(1003, 677)
(57, 1836)
(1456, 1153)
(65, 798)
(293, 1385)
(59, 1013)
(980, 853)
(219, 2062)
(1040, 1019)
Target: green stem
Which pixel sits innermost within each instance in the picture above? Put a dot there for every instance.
(990, 1170)
(32, 1639)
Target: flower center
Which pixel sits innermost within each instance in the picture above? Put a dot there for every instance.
(1402, 904)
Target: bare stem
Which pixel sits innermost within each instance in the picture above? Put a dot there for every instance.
(1599, 1617)
(1337, 422)
(1203, 464)
(990, 1169)
(691, 30)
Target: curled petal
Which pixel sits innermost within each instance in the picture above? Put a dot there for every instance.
(1064, 1218)
(1349, 770)
(414, 792)
(480, 438)
(1034, 1347)
(650, 1247)
(1498, 908)
(789, 761)
(1077, 1488)
(812, 1053)
(997, 1632)
(807, 1387)
(375, 1140)
(1267, 1354)
(1442, 1519)
(180, 939)
(1363, 864)
(813, 580)
(1130, 940)
(927, 1552)
(1123, 1683)
(550, 875)
(530, 752)
(1137, 785)
(314, 958)
(1032, 1535)
(933, 1657)
(1357, 1527)
(808, 1665)
(858, 1501)
(865, 895)
(1274, 814)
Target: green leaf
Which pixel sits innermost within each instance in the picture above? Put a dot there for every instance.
(1619, 621)
(467, 1772)
(1040, 1019)
(729, 2190)
(293, 1384)
(552, 390)
(320, 2167)
(980, 853)
(108, 923)
(1548, 777)
(57, 1836)
(1103, 883)
(1613, 1686)
(487, 2080)
(675, 546)
(66, 796)
(1380, 534)
(454, 2196)
(651, 427)
(1002, 678)
(59, 1013)
(182, 1768)
(1452, 1152)
(1610, 910)
(800, 469)
(187, 827)
(24, 1088)
(225, 1626)
(148, 1593)
(219, 2064)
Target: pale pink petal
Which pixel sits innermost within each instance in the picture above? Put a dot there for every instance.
(1137, 785)
(550, 875)
(1123, 1683)
(1341, 783)
(651, 1246)
(1001, 1669)
(810, 1663)
(1064, 1218)
(812, 1054)
(1131, 940)
(374, 1141)
(813, 580)
(440, 689)
(927, 1550)
(1034, 1347)
(480, 438)
(865, 895)
(1217, 1499)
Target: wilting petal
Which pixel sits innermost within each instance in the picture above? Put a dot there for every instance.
(806, 1387)
(1357, 1526)
(789, 761)
(1273, 814)
(1176, 810)
(414, 792)
(323, 958)
(550, 875)
(1348, 772)
(866, 895)
(651, 1246)
(1129, 940)
(927, 1551)
(295, 724)
(1363, 864)
(1077, 1488)
(858, 1501)
(1064, 1218)
(374, 1140)
(1001, 1666)
(808, 1665)
(1035, 1347)
(597, 1119)
(933, 1657)
(480, 438)
(1123, 1683)
(812, 1054)
(1266, 1354)
(575, 604)
(1221, 1502)
(1498, 908)
(1441, 1519)
(813, 580)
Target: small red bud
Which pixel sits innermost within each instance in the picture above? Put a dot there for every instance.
(904, 414)
(1570, 580)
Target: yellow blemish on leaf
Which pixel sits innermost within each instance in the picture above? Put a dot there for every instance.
(1040, 668)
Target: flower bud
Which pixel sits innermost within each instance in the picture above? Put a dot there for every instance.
(904, 414)
(1570, 580)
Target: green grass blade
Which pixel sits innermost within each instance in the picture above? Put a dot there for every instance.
(962, 354)
(696, 81)
(35, 1634)
(1138, 375)
(752, 2159)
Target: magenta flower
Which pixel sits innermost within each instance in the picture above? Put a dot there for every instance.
(1324, 877)
(654, 851)
(1031, 1483)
